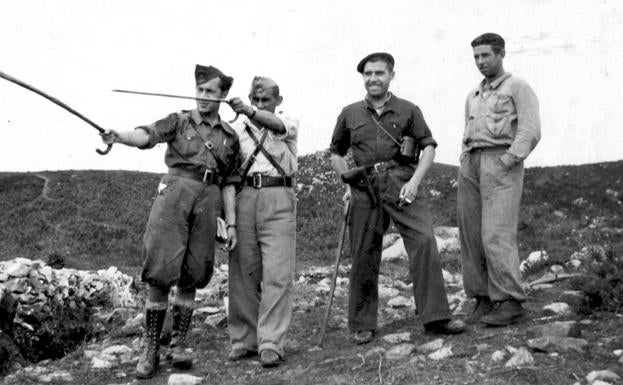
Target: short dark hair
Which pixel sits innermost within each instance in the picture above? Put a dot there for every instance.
(496, 41)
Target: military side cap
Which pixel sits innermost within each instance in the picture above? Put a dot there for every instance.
(488, 39)
(375, 56)
(261, 84)
(203, 74)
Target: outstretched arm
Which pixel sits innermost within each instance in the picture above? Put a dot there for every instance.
(133, 138)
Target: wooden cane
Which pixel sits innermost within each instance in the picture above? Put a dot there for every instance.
(338, 256)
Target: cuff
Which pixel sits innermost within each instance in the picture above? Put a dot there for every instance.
(427, 141)
(151, 142)
(232, 179)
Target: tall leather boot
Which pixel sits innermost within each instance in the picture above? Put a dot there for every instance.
(148, 360)
(179, 354)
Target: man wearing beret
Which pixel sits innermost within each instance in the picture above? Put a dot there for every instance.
(502, 127)
(261, 267)
(379, 130)
(178, 245)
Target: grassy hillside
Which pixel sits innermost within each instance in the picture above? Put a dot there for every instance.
(96, 218)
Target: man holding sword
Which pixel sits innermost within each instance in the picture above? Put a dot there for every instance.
(179, 240)
(386, 135)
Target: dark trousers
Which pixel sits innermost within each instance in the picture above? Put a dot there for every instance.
(367, 225)
(178, 245)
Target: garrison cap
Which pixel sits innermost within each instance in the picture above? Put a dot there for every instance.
(203, 74)
(373, 57)
(488, 38)
(261, 84)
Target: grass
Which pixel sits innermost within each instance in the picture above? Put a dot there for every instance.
(94, 219)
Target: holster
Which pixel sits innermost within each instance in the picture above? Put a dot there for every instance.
(358, 178)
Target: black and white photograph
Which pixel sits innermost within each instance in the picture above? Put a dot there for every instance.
(311, 192)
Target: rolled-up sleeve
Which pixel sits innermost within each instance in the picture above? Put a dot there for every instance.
(160, 131)
(528, 131)
(291, 125)
(340, 141)
(421, 133)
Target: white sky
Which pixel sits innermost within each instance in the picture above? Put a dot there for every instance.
(571, 52)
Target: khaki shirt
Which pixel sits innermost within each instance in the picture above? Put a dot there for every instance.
(503, 113)
(283, 148)
(187, 136)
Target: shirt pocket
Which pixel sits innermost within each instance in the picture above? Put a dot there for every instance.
(500, 113)
(357, 134)
(190, 143)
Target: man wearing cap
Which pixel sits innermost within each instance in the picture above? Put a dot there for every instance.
(502, 127)
(375, 129)
(179, 240)
(261, 267)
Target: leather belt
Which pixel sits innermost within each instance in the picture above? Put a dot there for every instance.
(489, 148)
(381, 167)
(260, 181)
(209, 176)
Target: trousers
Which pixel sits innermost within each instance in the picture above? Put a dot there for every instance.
(488, 214)
(367, 223)
(178, 244)
(261, 269)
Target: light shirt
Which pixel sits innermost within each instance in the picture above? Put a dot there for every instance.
(281, 147)
(503, 113)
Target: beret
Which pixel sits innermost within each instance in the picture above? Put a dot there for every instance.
(376, 55)
(488, 39)
(203, 74)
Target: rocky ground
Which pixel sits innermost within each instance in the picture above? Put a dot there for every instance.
(553, 345)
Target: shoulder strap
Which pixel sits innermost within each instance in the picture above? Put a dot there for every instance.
(379, 125)
(259, 146)
(210, 146)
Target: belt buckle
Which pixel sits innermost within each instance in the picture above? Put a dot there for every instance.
(378, 167)
(257, 180)
(205, 176)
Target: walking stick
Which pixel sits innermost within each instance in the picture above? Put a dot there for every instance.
(338, 256)
(58, 103)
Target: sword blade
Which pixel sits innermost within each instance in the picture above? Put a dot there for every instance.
(215, 100)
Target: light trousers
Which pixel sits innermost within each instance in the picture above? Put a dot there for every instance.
(488, 214)
(261, 269)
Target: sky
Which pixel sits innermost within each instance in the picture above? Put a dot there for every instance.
(569, 51)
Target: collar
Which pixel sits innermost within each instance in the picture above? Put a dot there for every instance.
(197, 119)
(495, 84)
(387, 105)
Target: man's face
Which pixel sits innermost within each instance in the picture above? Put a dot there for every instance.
(209, 89)
(376, 78)
(265, 100)
(488, 62)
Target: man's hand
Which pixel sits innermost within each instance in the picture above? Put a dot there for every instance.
(232, 239)
(239, 107)
(110, 136)
(408, 192)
